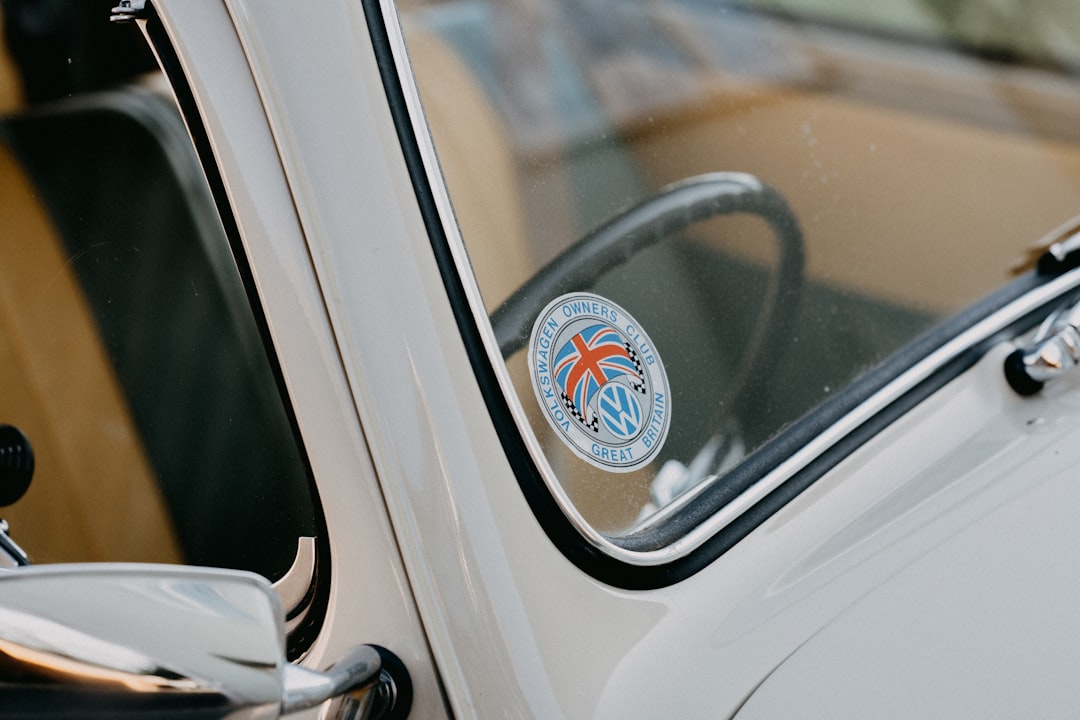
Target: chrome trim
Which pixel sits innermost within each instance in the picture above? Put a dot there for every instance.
(11, 555)
(1052, 352)
(1054, 356)
(295, 584)
(357, 672)
(725, 515)
(128, 11)
(1068, 245)
(296, 587)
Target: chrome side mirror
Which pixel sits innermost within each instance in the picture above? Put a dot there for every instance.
(114, 640)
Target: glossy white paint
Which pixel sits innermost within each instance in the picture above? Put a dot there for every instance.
(365, 557)
(367, 339)
(977, 617)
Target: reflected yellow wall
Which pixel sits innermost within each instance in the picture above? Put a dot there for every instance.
(94, 496)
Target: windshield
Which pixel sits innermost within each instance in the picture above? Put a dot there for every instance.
(693, 222)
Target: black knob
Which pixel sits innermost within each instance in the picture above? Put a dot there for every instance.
(16, 464)
(1017, 375)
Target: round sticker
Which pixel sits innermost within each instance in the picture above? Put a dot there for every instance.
(600, 382)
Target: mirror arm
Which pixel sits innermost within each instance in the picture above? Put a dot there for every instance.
(306, 689)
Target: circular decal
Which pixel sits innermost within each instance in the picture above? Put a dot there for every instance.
(600, 382)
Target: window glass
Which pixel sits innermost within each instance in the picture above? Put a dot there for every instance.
(798, 190)
(131, 357)
(1045, 32)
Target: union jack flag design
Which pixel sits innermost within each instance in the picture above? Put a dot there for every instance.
(589, 360)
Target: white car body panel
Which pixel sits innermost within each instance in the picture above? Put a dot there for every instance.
(436, 553)
(296, 312)
(978, 617)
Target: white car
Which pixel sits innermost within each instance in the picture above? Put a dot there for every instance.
(540, 359)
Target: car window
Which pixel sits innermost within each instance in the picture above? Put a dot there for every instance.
(132, 359)
(692, 223)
